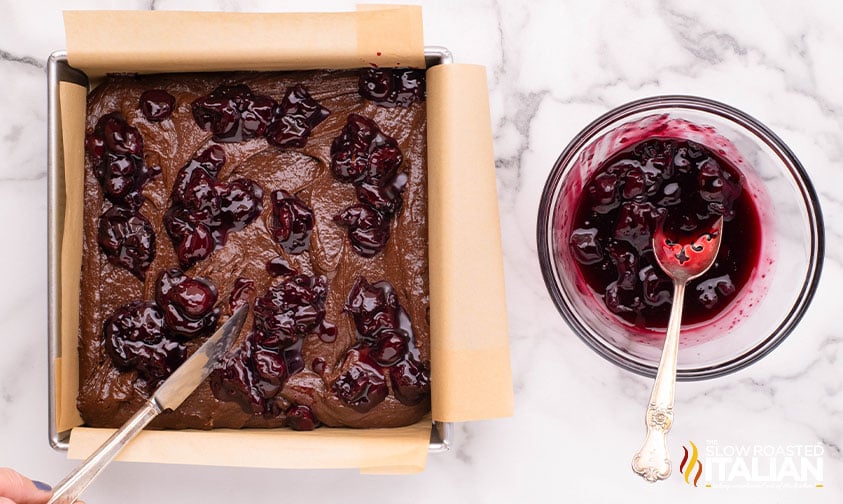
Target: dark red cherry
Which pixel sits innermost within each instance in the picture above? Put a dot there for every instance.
(241, 204)
(95, 147)
(279, 266)
(157, 104)
(211, 159)
(294, 119)
(242, 293)
(636, 223)
(390, 88)
(585, 246)
(383, 164)
(203, 210)
(368, 229)
(118, 136)
(134, 339)
(376, 84)
(626, 264)
(374, 307)
(235, 380)
(188, 303)
(410, 382)
(292, 222)
(657, 286)
(385, 199)
(233, 113)
(301, 418)
(290, 310)
(390, 347)
(256, 112)
(271, 369)
(362, 386)
(360, 142)
(127, 240)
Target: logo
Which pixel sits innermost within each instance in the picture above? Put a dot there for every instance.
(790, 465)
(687, 466)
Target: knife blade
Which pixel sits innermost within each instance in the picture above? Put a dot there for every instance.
(169, 395)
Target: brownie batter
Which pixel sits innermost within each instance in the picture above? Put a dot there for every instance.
(109, 394)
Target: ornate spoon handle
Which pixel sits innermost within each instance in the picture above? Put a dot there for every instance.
(652, 461)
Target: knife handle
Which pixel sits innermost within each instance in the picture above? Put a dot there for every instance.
(69, 489)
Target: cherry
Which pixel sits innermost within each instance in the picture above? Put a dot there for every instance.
(390, 347)
(242, 293)
(188, 303)
(116, 150)
(626, 264)
(390, 88)
(279, 266)
(203, 210)
(118, 136)
(290, 310)
(657, 286)
(603, 191)
(368, 229)
(292, 222)
(271, 368)
(358, 142)
(708, 290)
(383, 198)
(295, 118)
(127, 240)
(410, 382)
(157, 104)
(363, 385)
(373, 307)
(585, 246)
(233, 113)
(636, 223)
(134, 339)
(234, 380)
(301, 418)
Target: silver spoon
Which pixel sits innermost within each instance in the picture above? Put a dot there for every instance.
(682, 262)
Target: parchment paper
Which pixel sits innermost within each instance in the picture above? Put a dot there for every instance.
(168, 41)
(464, 388)
(471, 375)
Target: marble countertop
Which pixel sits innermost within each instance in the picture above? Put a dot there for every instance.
(553, 66)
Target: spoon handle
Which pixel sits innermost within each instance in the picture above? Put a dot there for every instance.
(652, 461)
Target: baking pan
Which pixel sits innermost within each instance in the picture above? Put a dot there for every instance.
(58, 70)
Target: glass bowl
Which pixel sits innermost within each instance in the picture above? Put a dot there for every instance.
(780, 287)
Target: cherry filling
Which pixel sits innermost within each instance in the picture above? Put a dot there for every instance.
(364, 156)
(157, 104)
(203, 210)
(390, 88)
(233, 113)
(125, 236)
(386, 351)
(301, 418)
(294, 118)
(255, 373)
(135, 338)
(292, 222)
(188, 303)
(684, 186)
(127, 240)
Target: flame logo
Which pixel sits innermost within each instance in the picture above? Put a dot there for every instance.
(687, 466)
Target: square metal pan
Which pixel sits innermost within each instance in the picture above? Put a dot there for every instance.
(58, 70)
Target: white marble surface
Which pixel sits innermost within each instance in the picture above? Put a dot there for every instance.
(553, 66)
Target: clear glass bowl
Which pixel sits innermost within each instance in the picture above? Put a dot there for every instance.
(780, 289)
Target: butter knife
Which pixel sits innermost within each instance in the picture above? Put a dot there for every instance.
(169, 395)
